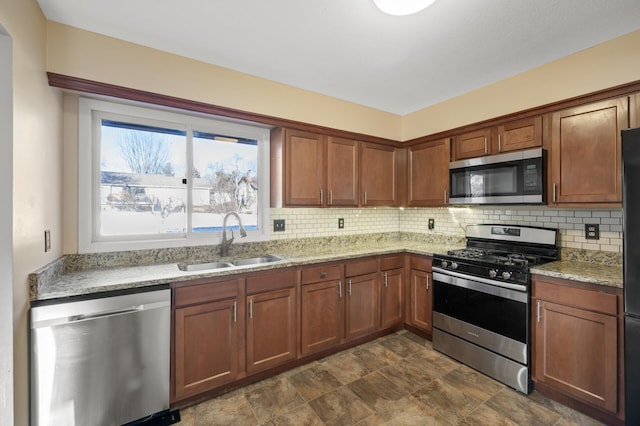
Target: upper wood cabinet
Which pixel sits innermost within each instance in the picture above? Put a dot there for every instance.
(472, 144)
(586, 154)
(298, 168)
(428, 173)
(518, 135)
(634, 110)
(514, 135)
(378, 175)
(342, 172)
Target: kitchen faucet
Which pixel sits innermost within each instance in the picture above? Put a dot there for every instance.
(226, 244)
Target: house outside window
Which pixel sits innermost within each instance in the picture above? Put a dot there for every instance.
(154, 178)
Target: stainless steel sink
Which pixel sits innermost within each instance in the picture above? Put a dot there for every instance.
(256, 260)
(212, 266)
(204, 266)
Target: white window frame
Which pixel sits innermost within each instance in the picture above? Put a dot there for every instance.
(89, 112)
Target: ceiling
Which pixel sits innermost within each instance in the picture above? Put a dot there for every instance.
(352, 51)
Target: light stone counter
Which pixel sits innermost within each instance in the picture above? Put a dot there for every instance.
(607, 275)
(72, 277)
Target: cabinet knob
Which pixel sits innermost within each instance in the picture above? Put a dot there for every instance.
(323, 274)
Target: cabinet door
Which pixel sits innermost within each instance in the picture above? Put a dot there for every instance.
(322, 315)
(576, 352)
(304, 168)
(362, 305)
(391, 299)
(271, 329)
(520, 134)
(378, 177)
(634, 110)
(342, 172)
(206, 347)
(472, 144)
(586, 153)
(428, 173)
(421, 300)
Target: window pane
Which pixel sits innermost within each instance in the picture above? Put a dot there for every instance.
(225, 180)
(141, 180)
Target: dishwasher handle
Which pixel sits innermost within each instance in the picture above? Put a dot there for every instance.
(104, 314)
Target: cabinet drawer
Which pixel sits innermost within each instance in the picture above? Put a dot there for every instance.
(592, 300)
(391, 262)
(361, 267)
(200, 293)
(269, 281)
(321, 273)
(421, 263)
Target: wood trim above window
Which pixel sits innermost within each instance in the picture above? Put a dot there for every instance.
(106, 89)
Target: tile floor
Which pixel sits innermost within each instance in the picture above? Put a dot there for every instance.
(396, 380)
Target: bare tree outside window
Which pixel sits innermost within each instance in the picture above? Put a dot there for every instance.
(145, 152)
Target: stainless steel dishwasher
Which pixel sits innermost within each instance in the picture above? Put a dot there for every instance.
(101, 361)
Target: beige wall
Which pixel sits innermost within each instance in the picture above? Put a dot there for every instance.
(37, 164)
(606, 65)
(83, 54)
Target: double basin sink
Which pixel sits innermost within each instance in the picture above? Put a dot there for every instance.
(239, 263)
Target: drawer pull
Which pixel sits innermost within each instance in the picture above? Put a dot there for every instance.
(323, 274)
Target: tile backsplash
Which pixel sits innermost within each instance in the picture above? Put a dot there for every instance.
(314, 222)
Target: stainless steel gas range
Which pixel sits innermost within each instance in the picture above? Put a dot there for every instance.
(482, 298)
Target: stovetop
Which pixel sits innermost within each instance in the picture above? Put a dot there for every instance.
(500, 253)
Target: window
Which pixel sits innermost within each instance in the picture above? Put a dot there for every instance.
(154, 178)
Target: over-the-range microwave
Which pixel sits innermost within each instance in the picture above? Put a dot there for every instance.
(512, 178)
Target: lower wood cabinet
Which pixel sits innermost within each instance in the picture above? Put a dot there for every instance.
(362, 298)
(321, 308)
(576, 341)
(208, 332)
(271, 319)
(420, 303)
(392, 291)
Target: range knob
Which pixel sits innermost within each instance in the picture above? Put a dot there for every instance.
(444, 263)
(454, 265)
(493, 273)
(506, 275)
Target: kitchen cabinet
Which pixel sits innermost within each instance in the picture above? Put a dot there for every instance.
(322, 308)
(472, 144)
(362, 298)
(379, 175)
(392, 291)
(420, 303)
(586, 154)
(514, 135)
(634, 110)
(343, 169)
(271, 317)
(208, 335)
(428, 173)
(576, 337)
(298, 168)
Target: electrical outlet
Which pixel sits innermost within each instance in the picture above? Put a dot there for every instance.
(278, 225)
(432, 223)
(47, 240)
(592, 231)
(340, 223)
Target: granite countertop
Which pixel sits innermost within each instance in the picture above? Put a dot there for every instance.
(77, 275)
(607, 275)
(88, 281)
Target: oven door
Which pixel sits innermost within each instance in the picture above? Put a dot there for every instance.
(500, 179)
(487, 315)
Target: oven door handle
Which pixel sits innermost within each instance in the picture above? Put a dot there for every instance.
(510, 291)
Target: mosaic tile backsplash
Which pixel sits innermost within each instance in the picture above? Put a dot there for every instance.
(313, 222)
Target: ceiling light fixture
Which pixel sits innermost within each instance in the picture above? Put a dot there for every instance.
(402, 7)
